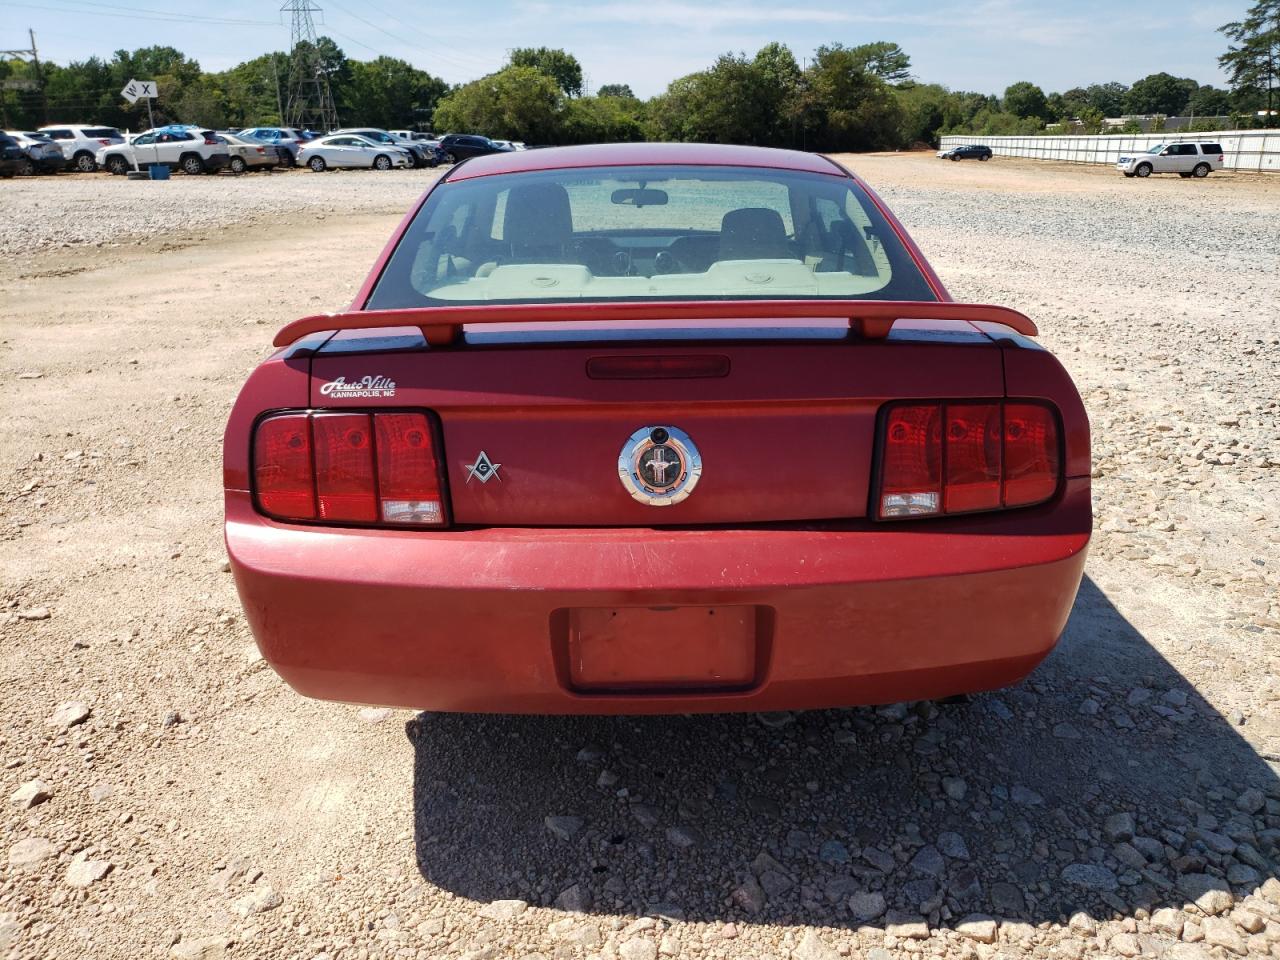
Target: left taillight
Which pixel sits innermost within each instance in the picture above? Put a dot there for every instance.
(342, 467)
(949, 457)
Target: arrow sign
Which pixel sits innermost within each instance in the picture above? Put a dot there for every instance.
(136, 90)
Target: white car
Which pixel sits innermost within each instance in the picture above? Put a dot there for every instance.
(1187, 159)
(349, 150)
(192, 150)
(80, 143)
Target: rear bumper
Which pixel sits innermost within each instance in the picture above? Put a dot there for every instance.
(476, 620)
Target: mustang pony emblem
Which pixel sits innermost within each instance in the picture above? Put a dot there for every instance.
(659, 466)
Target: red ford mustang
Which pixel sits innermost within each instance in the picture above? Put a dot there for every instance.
(655, 428)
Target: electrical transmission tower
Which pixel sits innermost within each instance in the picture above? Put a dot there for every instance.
(310, 101)
(31, 55)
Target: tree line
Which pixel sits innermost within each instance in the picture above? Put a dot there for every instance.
(842, 98)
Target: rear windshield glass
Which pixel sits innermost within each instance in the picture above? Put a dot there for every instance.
(108, 132)
(654, 232)
(1211, 147)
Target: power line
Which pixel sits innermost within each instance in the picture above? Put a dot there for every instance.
(157, 15)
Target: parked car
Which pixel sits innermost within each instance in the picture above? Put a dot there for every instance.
(787, 472)
(463, 146)
(412, 134)
(11, 156)
(1186, 159)
(972, 151)
(420, 155)
(80, 144)
(287, 140)
(247, 155)
(41, 154)
(192, 150)
(349, 150)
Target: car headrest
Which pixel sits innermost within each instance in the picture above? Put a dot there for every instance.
(537, 216)
(753, 233)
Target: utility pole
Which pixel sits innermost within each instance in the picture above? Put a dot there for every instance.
(310, 101)
(34, 55)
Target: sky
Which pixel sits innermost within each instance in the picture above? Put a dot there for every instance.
(981, 45)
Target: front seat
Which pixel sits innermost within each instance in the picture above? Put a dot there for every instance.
(537, 223)
(754, 233)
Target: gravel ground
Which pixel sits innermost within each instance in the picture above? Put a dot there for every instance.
(167, 796)
(74, 210)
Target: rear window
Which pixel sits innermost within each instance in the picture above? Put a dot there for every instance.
(1211, 147)
(102, 133)
(653, 232)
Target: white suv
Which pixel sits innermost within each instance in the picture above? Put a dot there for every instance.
(1187, 159)
(81, 143)
(190, 149)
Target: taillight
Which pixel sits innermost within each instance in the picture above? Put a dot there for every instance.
(346, 467)
(210, 142)
(965, 456)
(105, 143)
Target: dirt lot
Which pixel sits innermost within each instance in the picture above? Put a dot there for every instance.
(1124, 801)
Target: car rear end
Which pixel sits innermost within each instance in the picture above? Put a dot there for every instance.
(715, 502)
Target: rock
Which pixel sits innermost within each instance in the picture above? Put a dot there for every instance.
(29, 852)
(69, 714)
(1209, 893)
(1168, 920)
(952, 845)
(566, 828)
(638, 948)
(374, 714)
(505, 909)
(813, 947)
(750, 896)
(257, 901)
(101, 791)
(34, 613)
(646, 815)
(906, 927)
(1239, 875)
(1081, 922)
(574, 900)
(1222, 933)
(669, 946)
(1007, 899)
(977, 927)
(928, 861)
(834, 852)
(867, 905)
(1025, 796)
(955, 787)
(202, 948)
(171, 719)
(878, 858)
(1090, 876)
(683, 836)
(1251, 801)
(1119, 826)
(30, 794)
(82, 872)
(1125, 944)
(1248, 921)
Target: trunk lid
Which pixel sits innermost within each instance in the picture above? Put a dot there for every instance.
(785, 428)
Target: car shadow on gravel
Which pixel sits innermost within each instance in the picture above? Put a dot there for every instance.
(1103, 784)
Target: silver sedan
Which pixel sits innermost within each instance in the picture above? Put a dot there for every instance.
(350, 150)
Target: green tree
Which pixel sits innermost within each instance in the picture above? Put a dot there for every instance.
(1026, 100)
(601, 119)
(886, 60)
(1161, 93)
(563, 67)
(516, 103)
(619, 90)
(846, 107)
(1253, 58)
(387, 92)
(720, 105)
(1108, 98)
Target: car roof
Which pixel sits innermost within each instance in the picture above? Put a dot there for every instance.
(644, 154)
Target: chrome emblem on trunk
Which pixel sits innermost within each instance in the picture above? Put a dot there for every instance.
(483, 469)
(659, 466)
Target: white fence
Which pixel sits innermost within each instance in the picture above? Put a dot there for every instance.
(1249, 150)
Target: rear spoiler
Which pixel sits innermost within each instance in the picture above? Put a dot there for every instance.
(872, 319)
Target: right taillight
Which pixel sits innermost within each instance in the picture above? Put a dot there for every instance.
(347, 467)
(949, 457)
